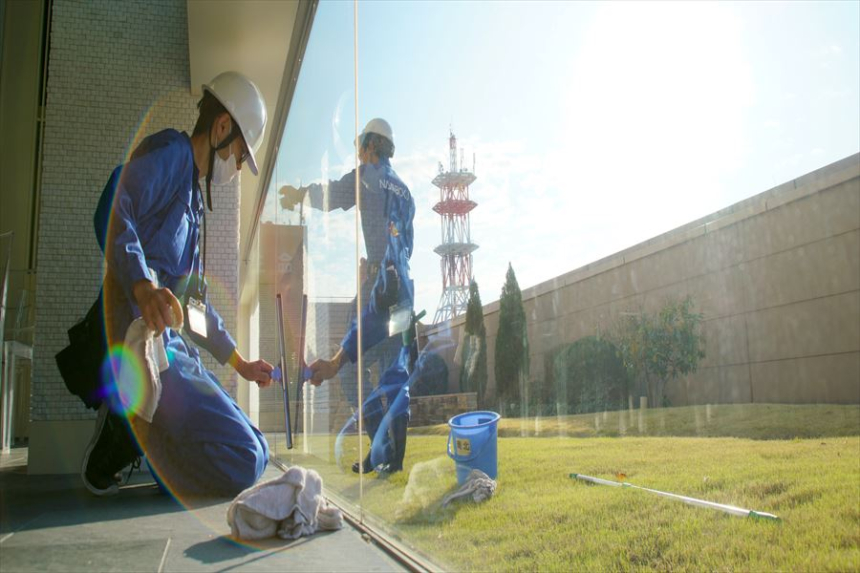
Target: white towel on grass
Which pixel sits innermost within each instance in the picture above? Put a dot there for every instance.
(478, 486)
(289, 506)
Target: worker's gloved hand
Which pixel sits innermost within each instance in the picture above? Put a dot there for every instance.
(290, 196)
(322, 370)
(258, 371)
(158, 306)
(409, 334)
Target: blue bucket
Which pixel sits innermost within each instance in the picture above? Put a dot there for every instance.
(472, 443)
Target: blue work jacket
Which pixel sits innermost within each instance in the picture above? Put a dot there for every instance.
(387, 211)
(155, 217)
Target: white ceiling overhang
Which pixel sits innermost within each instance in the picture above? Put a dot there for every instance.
(265, 40)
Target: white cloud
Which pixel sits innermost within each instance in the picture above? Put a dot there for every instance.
(830, 50)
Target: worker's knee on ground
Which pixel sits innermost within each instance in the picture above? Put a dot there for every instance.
(237, 467)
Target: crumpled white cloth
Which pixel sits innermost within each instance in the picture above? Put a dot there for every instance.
(478, 485)
(289, 506)
(140, 389)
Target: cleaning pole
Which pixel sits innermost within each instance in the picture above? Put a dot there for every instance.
(285, 379)
(730, 509)
(304, 371)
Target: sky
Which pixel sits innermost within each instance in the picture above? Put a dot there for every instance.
(594, 126)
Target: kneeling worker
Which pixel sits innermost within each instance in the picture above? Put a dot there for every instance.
(198, 442)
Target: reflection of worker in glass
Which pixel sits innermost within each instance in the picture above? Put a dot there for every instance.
(387, 210)
(374, 360)
(198, 440)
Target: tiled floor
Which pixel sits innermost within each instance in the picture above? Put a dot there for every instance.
(50, 523)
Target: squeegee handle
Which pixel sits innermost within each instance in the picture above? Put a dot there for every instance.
(598, 481)
(304, 371)
(730, 509)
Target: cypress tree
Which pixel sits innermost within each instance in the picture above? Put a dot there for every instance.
(512, 346)
(473, 374)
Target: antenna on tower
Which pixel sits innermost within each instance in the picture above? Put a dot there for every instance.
(473, 162)
(452, 150)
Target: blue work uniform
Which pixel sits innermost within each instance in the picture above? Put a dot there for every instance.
(199, 439)
(380, 355)
(387, 212)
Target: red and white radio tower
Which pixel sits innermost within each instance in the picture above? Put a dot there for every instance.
(457, 247)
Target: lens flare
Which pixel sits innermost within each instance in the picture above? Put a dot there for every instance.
(130, 397)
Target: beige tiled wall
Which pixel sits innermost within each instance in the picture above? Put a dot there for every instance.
(115, 70)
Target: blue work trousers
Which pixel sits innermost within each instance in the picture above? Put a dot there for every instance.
(200, 442)
(386, 423)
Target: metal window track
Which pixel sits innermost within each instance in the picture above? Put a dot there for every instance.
(392, 547)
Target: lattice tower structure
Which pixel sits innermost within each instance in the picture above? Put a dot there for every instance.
(457, 247)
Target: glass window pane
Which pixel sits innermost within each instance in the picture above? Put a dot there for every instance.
(307, 255)
(659, 205)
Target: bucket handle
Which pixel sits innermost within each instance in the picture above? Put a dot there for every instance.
(477, 447)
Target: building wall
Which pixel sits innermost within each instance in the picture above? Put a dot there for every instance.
(326, 327)
(117, 71)
(281, 271)
(20, 76)
(777, 277)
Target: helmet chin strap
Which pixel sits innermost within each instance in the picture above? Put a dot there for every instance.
(227, 141)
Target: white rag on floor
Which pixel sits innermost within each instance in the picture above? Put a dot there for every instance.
(288, 506)
(140, 387)
(478, 485)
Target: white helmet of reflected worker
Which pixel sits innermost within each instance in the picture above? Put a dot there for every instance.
(378, 126)
(242, 99)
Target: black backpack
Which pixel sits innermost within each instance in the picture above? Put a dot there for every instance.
(81, 363)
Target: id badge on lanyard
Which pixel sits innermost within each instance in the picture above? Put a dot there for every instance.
(195, 310)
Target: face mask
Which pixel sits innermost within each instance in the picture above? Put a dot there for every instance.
(224, 170)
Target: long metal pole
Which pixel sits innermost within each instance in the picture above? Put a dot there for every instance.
(6, 389)
(730, 509)
(300, 379)
(284, 376)
(358, 301)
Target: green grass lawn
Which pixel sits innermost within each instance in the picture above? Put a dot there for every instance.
(803, 465)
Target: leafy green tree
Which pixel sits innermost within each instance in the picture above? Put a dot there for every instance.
(658, 349)
(473, 374)
(512, 345)
(589, 376)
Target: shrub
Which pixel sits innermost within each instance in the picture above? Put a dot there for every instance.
(589, 376)
(656, 349)
(431, 378)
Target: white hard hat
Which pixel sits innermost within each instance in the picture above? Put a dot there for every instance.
(243, 100)
(378, 126)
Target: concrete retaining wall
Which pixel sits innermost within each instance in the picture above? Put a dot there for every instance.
(432, 410)
(777, 277)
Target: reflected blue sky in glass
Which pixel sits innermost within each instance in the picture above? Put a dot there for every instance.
(594, 126)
